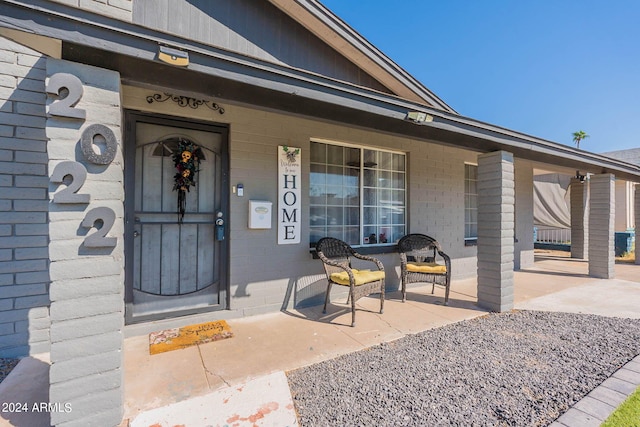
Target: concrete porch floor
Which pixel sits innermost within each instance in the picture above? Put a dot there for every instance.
(268, 344)
(228, 381)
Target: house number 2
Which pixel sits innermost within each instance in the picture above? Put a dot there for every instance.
(65, 107)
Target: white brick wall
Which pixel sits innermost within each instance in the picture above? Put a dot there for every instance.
(24, 278)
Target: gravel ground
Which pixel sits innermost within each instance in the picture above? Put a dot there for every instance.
(6, 365)
(523, 368)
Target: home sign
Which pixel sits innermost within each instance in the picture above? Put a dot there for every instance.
(289, 169)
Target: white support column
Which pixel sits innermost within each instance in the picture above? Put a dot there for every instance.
(496, 206)
(601, 226)
(579, 218)
(523, 250)
(637, 221)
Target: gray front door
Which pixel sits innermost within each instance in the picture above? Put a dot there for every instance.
(175, 264)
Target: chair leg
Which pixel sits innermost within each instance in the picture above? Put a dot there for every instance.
(353, 309)
(404, 290)
(382, 299)
(446, 293)
(326, 299)
(433, 287)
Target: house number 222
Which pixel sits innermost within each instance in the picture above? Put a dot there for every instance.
(65, 107)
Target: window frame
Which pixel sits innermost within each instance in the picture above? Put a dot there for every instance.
(470, 241)
(365, 248)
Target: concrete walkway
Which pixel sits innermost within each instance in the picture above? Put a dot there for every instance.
(267, 346)
(241, 382)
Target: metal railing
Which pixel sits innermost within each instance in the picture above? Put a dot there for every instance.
(552, 235)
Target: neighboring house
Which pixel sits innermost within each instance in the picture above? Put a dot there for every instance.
(552, 206)
(625, 195)
(304, 129)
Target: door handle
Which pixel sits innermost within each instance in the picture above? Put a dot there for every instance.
(219, 226)
(136, 234)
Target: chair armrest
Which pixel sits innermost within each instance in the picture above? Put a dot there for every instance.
(370, 258)
(403, 261)
(447, 260)
(327, 261)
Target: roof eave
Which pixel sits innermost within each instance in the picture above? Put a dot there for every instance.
(338, 34)
(294, 91)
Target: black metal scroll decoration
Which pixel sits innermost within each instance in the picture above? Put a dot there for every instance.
(184, 101)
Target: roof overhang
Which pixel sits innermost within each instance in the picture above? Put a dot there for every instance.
(132, 49)
(312, 15)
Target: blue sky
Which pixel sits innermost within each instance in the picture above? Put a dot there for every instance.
(546, 68)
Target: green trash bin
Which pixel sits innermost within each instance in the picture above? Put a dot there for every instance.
(623, 242)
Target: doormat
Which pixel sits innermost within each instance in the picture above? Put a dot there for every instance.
(176, 338)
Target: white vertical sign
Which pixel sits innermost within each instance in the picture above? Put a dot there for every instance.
(289, 169)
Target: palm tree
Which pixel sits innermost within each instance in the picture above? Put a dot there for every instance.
(579, 136)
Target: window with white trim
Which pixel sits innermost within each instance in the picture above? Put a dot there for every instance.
(470, 203)
(357, 194)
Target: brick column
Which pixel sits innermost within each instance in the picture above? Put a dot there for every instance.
(579, 218)
(601, 226)
(637, 221)
(87, 277)
(496, 191)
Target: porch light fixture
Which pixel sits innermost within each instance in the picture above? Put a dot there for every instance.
(580, 177)
(419, 117)
(172, 56)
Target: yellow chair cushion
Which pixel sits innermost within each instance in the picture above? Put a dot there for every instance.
(426, 267)
(361, 277)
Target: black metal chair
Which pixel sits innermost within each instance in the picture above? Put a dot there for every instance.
(336, 258)
(418, 263)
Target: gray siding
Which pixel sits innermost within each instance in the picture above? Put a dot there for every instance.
(119, 9)
(253, 28)
(24, 254)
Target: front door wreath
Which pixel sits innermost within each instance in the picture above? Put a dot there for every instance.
(186, 159)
